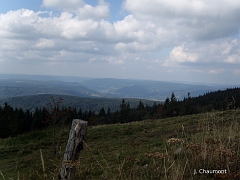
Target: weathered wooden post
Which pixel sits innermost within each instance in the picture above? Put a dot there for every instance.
(74, 145)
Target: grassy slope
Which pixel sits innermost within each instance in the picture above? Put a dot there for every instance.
(135, 150)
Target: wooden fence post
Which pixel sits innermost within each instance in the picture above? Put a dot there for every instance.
(74, 145)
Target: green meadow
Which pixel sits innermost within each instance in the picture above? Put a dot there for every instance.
(171, 148)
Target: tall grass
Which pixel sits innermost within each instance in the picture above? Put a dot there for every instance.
(2, 175)
(173, 148)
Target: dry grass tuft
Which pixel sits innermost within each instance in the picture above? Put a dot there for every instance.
(157, 155)
(174, 141)
(2, 175)
(43, 165)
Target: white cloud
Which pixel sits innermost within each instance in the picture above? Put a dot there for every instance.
(82, 10)
(236, 71)
(214, 53)
(233, 59)
(151, 68)
(12, 28)
(45, 43)
(114, 60)
(200, 20)
(135, 35)
(99, 12)
(180, 54)
(127, 27)
(216, 71)
(25, 30)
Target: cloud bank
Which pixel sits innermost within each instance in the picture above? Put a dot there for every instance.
(158, 37)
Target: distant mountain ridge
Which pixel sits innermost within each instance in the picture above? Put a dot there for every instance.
(25, 85)
(15, 87)
(146, 89)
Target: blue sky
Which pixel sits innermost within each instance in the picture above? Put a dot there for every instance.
(36, 5)
(178, 40)
(15, 5)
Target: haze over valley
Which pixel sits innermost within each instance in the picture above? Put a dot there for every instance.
(28, 92)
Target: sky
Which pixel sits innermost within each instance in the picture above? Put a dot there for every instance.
(177, 40)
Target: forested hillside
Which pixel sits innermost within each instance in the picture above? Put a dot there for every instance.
(83, 103)
(16, 121)
(19, 87)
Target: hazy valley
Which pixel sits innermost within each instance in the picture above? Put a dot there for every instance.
(30, 91)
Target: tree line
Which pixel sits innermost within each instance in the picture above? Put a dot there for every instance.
(16, 121)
